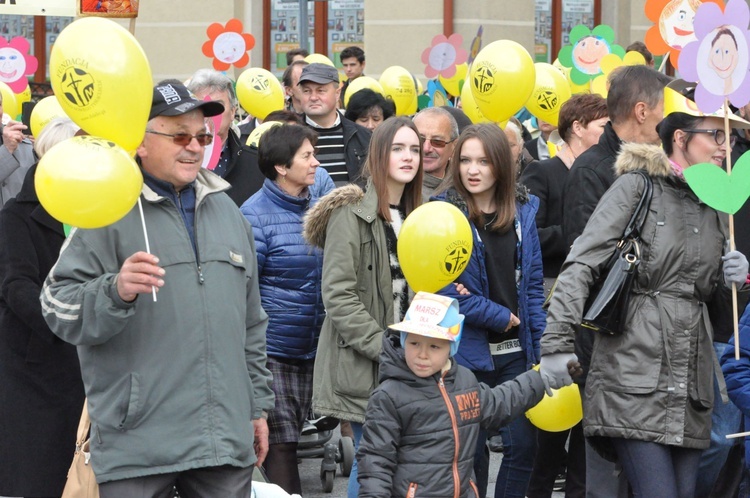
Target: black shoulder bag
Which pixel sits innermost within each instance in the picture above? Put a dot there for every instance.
(607, 306)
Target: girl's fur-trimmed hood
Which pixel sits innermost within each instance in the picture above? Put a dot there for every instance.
(650, 158)
(316, 219)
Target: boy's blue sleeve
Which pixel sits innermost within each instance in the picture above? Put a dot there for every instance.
(737, 372)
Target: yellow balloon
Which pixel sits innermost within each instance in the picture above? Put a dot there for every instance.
(23, 97)
(560, 412)
(443, 229)
(10, 105)
(254, 138)
(599, 85)
(398, 85)
(45, 111)
(102, 80)
(360, 83)
(502, 79)
(420, 87)
(452, 85)
(88, 182)
(320, 58)
(259, 92)
(470, 107)
(551, 91)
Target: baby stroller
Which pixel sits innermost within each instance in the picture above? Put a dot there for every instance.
(315, 442)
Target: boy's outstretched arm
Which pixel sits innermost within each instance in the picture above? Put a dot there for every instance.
(501, 404)
(376, 457)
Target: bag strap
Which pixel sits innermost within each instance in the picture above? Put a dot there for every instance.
(84, 424)
(633, 229)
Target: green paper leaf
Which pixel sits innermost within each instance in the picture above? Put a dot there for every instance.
(712, 185)
(423, 101)
(605, 31)
(66, 229)
(577, 33)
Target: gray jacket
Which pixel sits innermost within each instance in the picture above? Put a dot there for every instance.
(13, 168)
(173, 384)
(655, 381)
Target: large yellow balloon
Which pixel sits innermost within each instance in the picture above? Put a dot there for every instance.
(87, 182)
(10, 105)
(502, 79)
(551, 91)
(259, 92)
(254, 138)
(452, 85)
(45, 111)
(360, 83)
(319, 58)
(398, 85)
(102, 79)
(560, 412)
(434, 246)
(470, 107)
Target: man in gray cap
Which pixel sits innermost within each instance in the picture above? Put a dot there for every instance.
(178, 388)
(342, 144)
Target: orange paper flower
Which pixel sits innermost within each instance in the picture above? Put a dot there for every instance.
(228, 45)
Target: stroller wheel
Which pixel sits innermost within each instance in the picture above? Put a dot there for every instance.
(346, 455)
(326, 480)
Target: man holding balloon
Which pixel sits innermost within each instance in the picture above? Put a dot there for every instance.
(178, 389)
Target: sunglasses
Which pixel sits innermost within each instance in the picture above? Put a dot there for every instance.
(184, 139)
(719, 136)
(436, 142)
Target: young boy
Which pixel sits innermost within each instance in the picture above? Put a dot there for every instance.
(423, 420)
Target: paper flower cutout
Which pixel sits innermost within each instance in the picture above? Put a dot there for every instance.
(610, 63)
(476, 45)
(228, 45)
(723, 192)
(673, 25)
(718, 59)
(443, 56)
(586, 50)
(16, 63)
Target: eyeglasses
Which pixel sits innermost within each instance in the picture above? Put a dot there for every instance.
(436, 142)
(184, 139)
(719, 136)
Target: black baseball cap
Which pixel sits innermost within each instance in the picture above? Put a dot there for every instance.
(319, 73)
(174, 99)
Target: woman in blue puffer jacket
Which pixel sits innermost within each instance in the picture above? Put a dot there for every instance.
(504, 316)
(289, 277)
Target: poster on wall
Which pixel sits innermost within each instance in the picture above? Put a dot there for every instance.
(286, 30)
(108, 8)
(575, 12)
(346, 27)
(543, 31)
(65, 8)
(12, 26)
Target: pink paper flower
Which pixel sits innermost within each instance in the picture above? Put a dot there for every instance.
(16, 63)
(443, 56)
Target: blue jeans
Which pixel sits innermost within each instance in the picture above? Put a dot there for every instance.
(725, 419)
(519, 438)
(352, 489)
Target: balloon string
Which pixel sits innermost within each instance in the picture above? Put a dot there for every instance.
(145, 236)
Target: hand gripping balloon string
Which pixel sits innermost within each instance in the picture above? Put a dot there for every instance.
(145, 236)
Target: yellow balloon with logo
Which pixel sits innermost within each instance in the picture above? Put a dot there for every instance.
(452, 85)
(319, 58)
(398, 85)
(502, 78)
(358, 84)
(551, 91)
(470, 107)
(102, 79)
(434, 246)
(88, 182)
(10, 105)
(557, 413)
(259, 92)
(45, 111)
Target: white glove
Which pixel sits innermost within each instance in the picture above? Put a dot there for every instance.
(735, 268)
(554, 370)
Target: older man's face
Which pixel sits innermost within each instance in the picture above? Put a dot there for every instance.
(435, 159)
(227, 116)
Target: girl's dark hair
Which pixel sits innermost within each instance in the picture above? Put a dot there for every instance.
(673, 122)
(365, 99)
(279, 145)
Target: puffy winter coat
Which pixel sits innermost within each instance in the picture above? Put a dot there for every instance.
(737, 374)
(484, 315)
(655, 381)
(289, 272)
(421, 433)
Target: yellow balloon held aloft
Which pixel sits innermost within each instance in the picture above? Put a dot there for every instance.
(470, 107)
(551, 91)
(254, 139)
(358, 84)
(45, 111)
(557, 413)
(502, 78)
(452, 85)
(434, 246)
(319, 58)
(88, 182)
(398, 85)
(10, 105)
(259, 92)
(101, 77)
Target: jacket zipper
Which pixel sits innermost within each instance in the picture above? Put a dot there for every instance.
(412, 492)
(454, 423)
(201, 280)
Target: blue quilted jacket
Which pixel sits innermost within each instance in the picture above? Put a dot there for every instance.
(484, 315)
(289, 272)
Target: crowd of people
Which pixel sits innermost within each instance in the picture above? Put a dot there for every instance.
(272, 290)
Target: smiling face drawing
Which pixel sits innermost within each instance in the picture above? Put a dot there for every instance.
(229, 47)
(676, 23)
(724, 54)
(12, 64)
(588, 54)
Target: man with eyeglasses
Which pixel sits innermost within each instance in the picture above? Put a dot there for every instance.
(178, 388)
(438, 130)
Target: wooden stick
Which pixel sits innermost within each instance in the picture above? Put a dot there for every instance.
(664, 62)
(735, 311)
(739, 434)
(131, 27)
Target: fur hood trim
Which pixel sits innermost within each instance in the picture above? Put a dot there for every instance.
(316, 219)
(650, 158)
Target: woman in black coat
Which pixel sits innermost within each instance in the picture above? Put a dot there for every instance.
(41, 392)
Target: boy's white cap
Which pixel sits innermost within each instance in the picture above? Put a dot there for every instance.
(433, 315)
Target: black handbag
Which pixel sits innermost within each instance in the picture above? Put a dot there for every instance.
(607, 306)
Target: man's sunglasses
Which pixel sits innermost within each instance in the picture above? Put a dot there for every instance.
(436, 142)
(184, 139)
